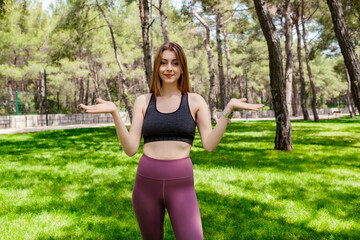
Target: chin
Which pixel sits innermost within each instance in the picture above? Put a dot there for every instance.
(169, 81)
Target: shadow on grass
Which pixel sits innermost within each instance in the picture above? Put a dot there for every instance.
(251, 145)
(79, 173)
(242, 218)
(84, 175)
(99, 205)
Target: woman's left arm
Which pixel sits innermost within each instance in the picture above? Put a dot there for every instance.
(210, 137)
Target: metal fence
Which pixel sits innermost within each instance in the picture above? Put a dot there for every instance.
(22, 102)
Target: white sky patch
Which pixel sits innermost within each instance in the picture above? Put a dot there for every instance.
(46, 3)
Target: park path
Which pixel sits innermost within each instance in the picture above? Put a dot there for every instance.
(95, 125)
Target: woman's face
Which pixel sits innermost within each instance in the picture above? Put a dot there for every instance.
(170, 69)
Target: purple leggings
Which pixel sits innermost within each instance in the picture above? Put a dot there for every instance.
(167, 184)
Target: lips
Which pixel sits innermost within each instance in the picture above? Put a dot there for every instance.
(168, 75)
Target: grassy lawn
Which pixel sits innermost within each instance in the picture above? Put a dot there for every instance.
(77, 184)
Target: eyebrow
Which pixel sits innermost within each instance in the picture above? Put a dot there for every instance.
(162, 59)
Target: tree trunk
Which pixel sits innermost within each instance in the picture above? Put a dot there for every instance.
(289, 55)
(119, 89)
(163, 22)
(107, 90)
(36, 97)
(240, 86)
(67, 101)
(295, 93)
(220, 62)
(303, 96)
(124, 95)
(228, 66)
(81, 92)
(41, 93)
(12, 96)
(86, 100)
(122, 72)
(212, 94)
(74, 108)
(348, 95)
(347, 48)
(26, 105)
(96, 81)
(283, 139)
(312, 85)
(145, 25)
(151, 34)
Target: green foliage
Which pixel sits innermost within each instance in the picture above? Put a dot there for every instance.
(329, 84)
(74, 39)
(73, 184)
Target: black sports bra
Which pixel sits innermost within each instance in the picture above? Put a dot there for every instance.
(174, 126)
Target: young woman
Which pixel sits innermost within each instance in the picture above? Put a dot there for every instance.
(167, 118)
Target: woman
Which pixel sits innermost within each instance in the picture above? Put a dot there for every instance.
(167, 118)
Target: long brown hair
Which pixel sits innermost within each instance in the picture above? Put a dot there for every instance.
(183, 81)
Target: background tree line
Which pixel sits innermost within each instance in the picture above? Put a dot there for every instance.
(105, 48)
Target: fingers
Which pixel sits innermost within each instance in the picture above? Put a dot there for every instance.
(83, 106)
(99, 100)
(93, 108)
(89, 109)
(257, 107)
(250, 107)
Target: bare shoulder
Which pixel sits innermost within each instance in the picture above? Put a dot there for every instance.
(142, 101)
(196, 100)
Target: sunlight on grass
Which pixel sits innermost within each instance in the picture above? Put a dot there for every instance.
(325, 221)
(71, 184)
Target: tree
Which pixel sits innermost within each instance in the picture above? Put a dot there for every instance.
(283, 139)
(303, 96)
(349, 100)
(220, 62)
(295, 93)
(210, 64)
(122, 72)
(3, 7)
(145, 25)
(347, 49)
(289, 55)
(72, 38)
(228, 64)
(312, 85)
(163, 21)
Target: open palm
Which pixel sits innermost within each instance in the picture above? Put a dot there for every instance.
(101, 107)
(241, 104)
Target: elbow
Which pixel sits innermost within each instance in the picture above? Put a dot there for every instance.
(209, 148)
(130, 152)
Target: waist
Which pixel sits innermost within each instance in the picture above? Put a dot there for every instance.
(165, 169)
(167, 150)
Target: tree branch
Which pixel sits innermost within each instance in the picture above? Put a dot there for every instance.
(202, 21)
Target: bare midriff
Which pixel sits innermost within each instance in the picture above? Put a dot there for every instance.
(167, 150)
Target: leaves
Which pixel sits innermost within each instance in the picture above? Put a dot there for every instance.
(74, 39)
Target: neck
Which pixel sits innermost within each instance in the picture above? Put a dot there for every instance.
(169, 90)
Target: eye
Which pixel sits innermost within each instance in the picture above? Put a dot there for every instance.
(176, 63)
(162, 63)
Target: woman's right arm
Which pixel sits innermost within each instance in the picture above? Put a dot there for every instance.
(129, 140)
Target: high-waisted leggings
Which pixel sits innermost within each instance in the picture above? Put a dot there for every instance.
(166, 184)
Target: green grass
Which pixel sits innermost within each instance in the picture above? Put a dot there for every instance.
(77, 184)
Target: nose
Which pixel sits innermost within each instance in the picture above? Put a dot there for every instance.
(169, 66)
